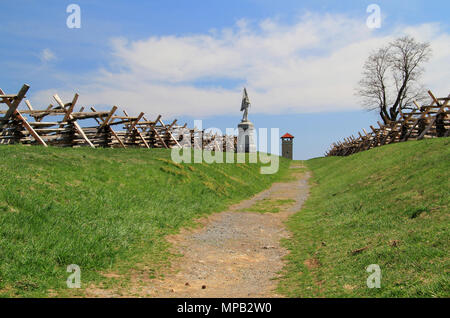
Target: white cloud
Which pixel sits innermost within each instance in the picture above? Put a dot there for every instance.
(310, 66)
(47, 55)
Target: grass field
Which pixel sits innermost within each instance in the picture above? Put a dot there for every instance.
(102, 209)
(387, 206)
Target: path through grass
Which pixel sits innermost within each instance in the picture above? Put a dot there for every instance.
(98, 208)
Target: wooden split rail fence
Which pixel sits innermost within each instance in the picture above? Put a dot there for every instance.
(63, 127)
(428, 121)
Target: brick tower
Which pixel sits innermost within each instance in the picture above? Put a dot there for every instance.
(286, 145)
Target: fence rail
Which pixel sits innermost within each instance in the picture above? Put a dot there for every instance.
(108, 129)
(428, 121)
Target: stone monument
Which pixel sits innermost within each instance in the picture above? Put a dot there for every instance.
(246, 137)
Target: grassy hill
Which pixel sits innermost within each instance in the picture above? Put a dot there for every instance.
(387, 206)
(100, 208)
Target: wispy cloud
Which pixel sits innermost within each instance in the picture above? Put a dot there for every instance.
(310, 66)
(46, 55)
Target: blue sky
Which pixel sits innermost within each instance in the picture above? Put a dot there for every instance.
(190, 59)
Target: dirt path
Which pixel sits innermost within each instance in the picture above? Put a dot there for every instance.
(235, 253)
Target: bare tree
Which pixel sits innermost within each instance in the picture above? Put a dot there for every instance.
(391, 77)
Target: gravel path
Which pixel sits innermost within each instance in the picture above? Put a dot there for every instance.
(235, 253)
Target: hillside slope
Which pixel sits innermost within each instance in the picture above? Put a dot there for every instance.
(387, 206)
(99, 207)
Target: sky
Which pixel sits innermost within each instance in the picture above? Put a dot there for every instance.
(299, 60)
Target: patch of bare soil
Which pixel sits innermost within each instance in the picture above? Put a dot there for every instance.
(312, 263)
(233, 254)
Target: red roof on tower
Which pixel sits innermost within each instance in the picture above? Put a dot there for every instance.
(287, 135)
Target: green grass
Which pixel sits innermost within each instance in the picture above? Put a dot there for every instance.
(268, 205)
(102, 209)
(393, 201)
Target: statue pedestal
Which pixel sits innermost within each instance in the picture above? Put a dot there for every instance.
(246, 138)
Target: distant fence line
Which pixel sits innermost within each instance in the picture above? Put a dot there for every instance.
(27, 127)
(428, 121)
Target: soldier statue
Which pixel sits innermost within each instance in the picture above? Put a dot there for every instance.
(245, 105)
